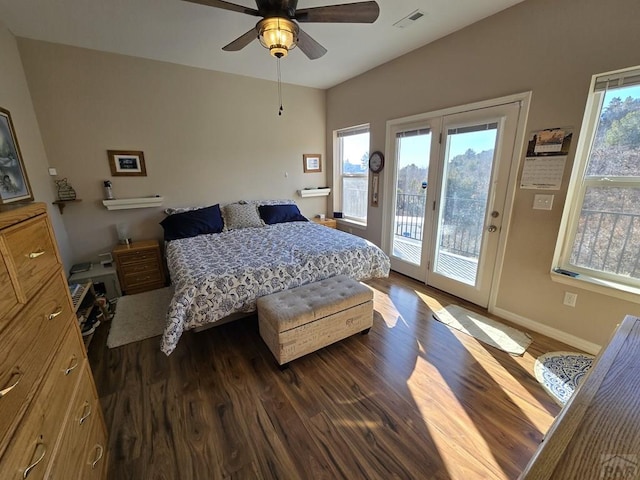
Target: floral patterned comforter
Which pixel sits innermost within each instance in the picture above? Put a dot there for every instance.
(220, 274)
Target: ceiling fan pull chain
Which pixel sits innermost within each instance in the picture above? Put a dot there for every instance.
(279, 88)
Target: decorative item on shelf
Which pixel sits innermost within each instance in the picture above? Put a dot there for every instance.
(108, 193)
(66, 192)
(124, 238)
(14, 183)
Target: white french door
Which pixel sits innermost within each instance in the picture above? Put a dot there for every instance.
(415, 150)
(451, 177)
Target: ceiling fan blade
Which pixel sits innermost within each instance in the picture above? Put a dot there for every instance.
(242, 41)
(309, 46)
(226, 6)
(361, 12)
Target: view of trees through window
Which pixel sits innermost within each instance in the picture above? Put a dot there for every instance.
(354, 158)
(467, 184)
(607, 235)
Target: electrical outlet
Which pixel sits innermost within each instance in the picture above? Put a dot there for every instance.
(570, 299)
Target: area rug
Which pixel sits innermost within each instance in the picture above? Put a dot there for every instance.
(484, 329)
(139, 316)
(560, 373)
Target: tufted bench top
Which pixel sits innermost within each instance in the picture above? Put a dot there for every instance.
(291, 308)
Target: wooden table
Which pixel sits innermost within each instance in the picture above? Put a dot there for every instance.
(597, 433)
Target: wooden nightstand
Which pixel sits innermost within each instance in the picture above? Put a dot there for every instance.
(139, 266)
(327, 222)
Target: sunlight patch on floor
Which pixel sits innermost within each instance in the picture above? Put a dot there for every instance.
(447, 420)
(499, 374)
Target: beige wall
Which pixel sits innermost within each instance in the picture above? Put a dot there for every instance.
(207, 137)
(15, 97)
(551, 47)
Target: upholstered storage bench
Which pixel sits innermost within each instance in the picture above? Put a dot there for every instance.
(302, 320)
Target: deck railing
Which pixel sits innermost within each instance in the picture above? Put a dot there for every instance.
(459, 235)
(608, 242)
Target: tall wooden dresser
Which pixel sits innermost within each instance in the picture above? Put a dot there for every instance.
(51, 423)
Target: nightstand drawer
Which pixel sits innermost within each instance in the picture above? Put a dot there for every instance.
(136, 279)
(137, 257)
(135, 268)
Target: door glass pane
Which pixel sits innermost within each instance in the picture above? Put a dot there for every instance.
(412, 150)
(465, 189)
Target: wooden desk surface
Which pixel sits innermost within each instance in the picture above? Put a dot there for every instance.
(597, 434)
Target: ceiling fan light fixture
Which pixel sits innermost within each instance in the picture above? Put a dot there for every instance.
(278, 35)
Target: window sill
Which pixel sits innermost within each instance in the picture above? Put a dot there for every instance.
(605, 287)
(351, 223)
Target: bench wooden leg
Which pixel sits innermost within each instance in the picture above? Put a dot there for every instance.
(365, 331)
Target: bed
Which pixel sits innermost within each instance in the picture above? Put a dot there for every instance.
(216, 275)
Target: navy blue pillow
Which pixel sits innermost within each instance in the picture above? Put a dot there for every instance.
(280, 214)
(192, 223)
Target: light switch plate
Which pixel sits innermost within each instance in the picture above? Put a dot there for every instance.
(543, 202)
(53, 172)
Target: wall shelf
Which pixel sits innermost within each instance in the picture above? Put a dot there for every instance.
(129, 203)
(63, 203)
(314, 192)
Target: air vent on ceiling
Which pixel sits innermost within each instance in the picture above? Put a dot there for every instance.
(409, 19)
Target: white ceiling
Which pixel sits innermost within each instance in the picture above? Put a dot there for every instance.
(189, 34)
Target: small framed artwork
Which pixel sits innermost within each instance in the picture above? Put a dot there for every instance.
(312, 162)
(14, 183)
(126, 163)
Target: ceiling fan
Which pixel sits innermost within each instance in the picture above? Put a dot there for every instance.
(279, 31)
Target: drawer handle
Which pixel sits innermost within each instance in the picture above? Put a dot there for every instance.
(86, 412)
(100, 452)
(11, 387)
(27, 470)
(72, 367)
(36, 254)
(56, 313)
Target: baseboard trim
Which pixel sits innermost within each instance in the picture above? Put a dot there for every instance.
(551, 332)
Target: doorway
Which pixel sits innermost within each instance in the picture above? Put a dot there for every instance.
(449, 189)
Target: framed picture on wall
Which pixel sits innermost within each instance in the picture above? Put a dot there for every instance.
(127, 163)
(312, 162)
(14, 183)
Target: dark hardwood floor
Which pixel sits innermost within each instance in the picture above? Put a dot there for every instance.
(413, 399)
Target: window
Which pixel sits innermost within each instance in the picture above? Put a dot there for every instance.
(352, 164)
(602, 233)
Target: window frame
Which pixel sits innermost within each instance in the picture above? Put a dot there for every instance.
(608, 283)
(338, 135)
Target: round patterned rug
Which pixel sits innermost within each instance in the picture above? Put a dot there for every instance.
(560, 373)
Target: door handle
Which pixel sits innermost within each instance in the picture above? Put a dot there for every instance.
(492, 228)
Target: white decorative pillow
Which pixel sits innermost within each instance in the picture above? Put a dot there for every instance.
(241, 215)
(174, 210)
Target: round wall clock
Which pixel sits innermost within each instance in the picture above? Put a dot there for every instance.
(376, 162)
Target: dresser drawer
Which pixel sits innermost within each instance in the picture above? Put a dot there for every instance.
(8, 296)
(27, 345)
(44, 421)
(32, 251)
(75, 450)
